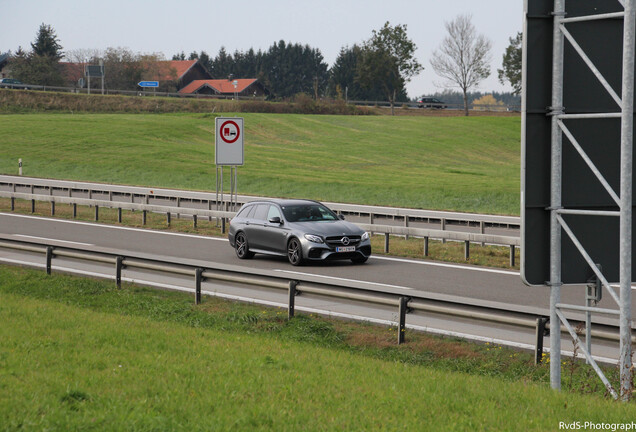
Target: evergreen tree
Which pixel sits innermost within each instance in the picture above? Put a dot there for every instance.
(41, 65)
(222, 65)
(47, 44)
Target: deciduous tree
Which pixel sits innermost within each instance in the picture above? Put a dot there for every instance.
(463, 57)
(511, 64)
(388, 60)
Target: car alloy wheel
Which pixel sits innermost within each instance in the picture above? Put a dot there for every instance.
(242, 250)
(294, 252)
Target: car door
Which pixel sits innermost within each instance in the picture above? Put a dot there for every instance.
(254, 228)
(275, 234)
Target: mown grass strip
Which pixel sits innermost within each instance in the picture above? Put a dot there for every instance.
(78, 354)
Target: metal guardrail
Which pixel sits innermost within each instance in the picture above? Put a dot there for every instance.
(10, 182)
(405, 302)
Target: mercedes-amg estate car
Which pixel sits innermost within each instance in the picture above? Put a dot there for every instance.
(301, 230)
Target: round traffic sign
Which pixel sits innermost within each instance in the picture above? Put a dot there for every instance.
(230, 131)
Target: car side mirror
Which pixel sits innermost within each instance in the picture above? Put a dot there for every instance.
(341, 217)
(276, 220)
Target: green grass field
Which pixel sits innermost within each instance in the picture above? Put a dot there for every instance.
(78, 354)
(451, 163)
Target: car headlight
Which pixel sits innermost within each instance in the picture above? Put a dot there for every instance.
(314, 238)
(365, 236)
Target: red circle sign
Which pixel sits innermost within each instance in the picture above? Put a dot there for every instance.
(230, 132)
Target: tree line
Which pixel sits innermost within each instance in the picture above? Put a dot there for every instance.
(378, 69)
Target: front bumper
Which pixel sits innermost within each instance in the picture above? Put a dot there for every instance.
(323, 252)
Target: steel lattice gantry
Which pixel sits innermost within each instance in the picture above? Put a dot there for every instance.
(582, 199)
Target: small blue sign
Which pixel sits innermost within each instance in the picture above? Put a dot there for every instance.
(148, 84)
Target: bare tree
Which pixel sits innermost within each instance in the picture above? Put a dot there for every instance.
(463, 57)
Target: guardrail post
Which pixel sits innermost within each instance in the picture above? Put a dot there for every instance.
(12, 203)
(118, 265)
(168, 218)
(443, 228)
(540, 333)
(96, 213)
(386, 243)
(194, 221)
(119, 215)
(223, 225)
(143, 217)
(512, 255)
(49, 258)
(74, 210)
(52, 208)
(406, 225)
(482, 230)
(198, 277)
(466, 250)
(425, 246)
(292, 299)
(402, 311)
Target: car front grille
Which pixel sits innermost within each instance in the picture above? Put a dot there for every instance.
(338, 240)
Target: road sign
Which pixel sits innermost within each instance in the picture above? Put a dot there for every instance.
(229, 141)
(590, 124)
(148, 84)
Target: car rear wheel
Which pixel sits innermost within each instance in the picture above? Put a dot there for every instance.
(295, 252)
(242, 249)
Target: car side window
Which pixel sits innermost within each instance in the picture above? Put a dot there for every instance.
(261, 212)
(273, 212)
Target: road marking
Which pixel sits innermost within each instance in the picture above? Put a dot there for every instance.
(115, 227)
(46, 238)
(343, 279)
(454, 266)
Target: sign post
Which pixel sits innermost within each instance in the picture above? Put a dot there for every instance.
(229, 136)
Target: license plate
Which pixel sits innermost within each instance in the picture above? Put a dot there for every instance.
(346, 249)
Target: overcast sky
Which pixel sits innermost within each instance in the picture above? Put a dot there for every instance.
(170, 27)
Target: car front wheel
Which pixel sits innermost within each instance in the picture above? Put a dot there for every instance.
(294, 252)
(242, 249)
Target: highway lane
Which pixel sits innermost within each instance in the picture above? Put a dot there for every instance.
(482, 285)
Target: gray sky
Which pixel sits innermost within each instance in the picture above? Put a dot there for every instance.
(170, 27)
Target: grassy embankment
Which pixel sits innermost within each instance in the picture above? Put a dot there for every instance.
(452, 163)
(78, 354)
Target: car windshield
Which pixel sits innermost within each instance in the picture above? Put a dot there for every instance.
(308, 213)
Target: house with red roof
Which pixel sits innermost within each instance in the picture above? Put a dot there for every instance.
(226, 87)
(182, 72)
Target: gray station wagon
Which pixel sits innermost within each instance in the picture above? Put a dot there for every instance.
(301, 230)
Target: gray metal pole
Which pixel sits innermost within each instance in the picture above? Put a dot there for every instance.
(627, 133)
(555, 200)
